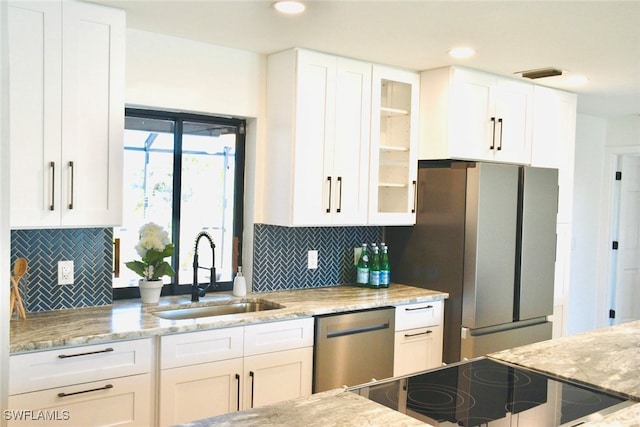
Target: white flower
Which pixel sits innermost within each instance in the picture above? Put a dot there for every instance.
(152, 236)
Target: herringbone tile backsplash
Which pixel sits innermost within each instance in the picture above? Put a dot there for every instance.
(280, 255)
(280, 261)
(91, 250)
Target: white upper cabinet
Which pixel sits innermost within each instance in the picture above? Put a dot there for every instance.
(554, 135)
(471, 115)
(394, 143)
(67, 113)
(318, 121)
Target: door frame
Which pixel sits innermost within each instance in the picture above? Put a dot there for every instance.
(608, 226)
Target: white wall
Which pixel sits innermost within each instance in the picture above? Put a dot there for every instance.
(4, 212)
(598, 143)
(171, 73)
(623, 131)
(582, 304)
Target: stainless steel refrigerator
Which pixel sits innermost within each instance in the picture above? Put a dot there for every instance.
(486, 234)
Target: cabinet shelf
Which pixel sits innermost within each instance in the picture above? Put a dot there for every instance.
(392, 185)
(394, 148)
(388, 111)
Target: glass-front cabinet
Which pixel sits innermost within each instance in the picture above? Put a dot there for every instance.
(394, 143)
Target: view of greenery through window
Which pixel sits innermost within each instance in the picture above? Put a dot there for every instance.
(185, 158)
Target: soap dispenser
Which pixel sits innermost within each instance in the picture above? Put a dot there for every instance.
(239, 284)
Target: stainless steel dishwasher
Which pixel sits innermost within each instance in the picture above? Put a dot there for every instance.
(353, 348)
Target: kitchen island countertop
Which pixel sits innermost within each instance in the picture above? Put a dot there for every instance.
(129, 319)
(607, 358)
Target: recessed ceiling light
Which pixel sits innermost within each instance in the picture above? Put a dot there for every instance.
(289, 7)
(462, 52)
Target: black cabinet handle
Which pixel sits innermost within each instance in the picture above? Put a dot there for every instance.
(238, 397)
(71, 193)
(106, 387)
(415, 196)
(253, 380)
(493, 136)
(329, 208)
(339, 195)
(66, 356)
(427, 307)
(418, 334)
(52, 166)
(501, 125)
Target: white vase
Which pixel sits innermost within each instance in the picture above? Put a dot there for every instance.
(150, 290)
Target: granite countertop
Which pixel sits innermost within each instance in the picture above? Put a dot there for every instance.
(330, 408)
(606, 358)
(130, 319)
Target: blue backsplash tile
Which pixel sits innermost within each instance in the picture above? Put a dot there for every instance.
(280, 261)
(91, 250)
(280, 255)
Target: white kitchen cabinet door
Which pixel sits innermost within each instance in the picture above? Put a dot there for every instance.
(417, 350)
(92, 114)
(124, 401)
(199, 391)
(554, 138)
(394, 142)
(35, 65)
(67, 113)
(471, 115)
(276, 377)
(318, 139)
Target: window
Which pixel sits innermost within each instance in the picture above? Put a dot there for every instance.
(184, 172)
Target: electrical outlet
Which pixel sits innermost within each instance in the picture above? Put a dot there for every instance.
(65, 272)
(312, 260)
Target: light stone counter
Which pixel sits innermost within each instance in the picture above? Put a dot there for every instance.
(607, 358)
(329, 408)
(131, 319)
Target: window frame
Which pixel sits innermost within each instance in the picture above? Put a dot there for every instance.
(179, 118)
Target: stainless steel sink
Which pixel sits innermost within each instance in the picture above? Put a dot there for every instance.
(247, 306)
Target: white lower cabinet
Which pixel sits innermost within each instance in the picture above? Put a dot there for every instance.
(199, 391)
(276, 377)
(94, 385)
(209, 373)
(418, 337)
(122, 401)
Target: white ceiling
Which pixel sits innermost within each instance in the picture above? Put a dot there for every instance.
(600, 39)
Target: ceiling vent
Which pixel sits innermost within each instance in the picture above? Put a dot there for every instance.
(540, 73)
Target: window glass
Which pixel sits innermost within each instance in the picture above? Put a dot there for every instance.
(181, 172)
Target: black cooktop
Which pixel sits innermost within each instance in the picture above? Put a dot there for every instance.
(484, 392)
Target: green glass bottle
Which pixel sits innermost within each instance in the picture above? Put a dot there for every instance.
(385, 269)
(374, 269)
(362, 269)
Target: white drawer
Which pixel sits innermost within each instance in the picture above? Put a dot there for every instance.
(278, 336)
(200, 347)
(116, 401)
(74, 365)
(418, 315)
(417, 350)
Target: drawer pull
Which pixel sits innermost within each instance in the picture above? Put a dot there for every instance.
(106, 387)
(417, 334)
(66, 356)
(419, 308)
